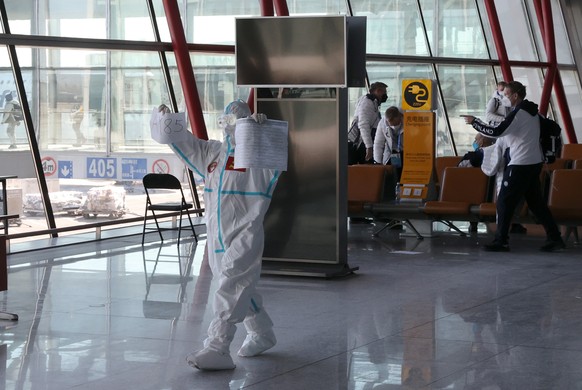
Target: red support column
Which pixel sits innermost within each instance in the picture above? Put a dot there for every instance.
(499, 42)
(281, 7)
(185, 69)
(545, 24)
(266, 10)
(547, 30)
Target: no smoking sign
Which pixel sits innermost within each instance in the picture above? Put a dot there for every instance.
(160, 166)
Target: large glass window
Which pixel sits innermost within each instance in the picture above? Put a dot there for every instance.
(393, 27)
(573, 92)
(80, 19)
(563, 52)
(466, 90)
(213, 22)
(516, 29)
(130, 20)
(453, 29)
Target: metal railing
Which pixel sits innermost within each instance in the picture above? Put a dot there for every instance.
(197, 213)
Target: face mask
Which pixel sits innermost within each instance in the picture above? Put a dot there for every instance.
(396, 129)
(227, 122)
(475, 145)
(384, 98)
(505, 102)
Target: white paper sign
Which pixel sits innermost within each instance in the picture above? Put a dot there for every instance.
(262, 146)
(168, 128)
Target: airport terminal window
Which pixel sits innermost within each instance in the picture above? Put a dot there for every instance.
(329, 7)
(394, 28)
(516, 31)
(81, 19)
(574, 96)
(130, 20)
(563, 52)
(532, 78)
(466, 90)
(453, 29)
(72, 100)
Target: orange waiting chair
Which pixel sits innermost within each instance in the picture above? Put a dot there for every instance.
(564, 199)
(461, 188)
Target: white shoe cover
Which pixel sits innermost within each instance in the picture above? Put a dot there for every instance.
(256, 344)
(209, 359)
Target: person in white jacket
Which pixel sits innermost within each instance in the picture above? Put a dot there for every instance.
(498, 106)
(236, 201)
(389, 140)
(364, 123)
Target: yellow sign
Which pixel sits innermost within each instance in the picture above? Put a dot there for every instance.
(417, 95)
(419, 147)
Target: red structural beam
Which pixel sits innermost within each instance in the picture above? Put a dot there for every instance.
(498, 38)
(547, 30)
(281, 7)
(185, 69)
(267, 9)
(545, 23)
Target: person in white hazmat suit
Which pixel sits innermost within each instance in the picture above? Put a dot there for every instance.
(236, 201)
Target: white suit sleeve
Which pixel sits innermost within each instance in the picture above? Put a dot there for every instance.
(197, 154)
(382, 144)
(367, 120)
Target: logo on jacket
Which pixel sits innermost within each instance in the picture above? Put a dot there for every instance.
(212, 167)
(230, 165)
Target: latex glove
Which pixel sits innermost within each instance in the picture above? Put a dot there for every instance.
(259, 118)
(164, 109)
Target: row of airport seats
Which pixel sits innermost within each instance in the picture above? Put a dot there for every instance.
(466, 194)
(367, 184)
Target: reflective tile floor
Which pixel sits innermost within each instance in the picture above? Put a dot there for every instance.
(432, 314)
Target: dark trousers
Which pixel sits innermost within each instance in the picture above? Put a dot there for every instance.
(357, 155)
(523, 181)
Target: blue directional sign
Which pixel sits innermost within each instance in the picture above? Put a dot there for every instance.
(65, 169)
(133, 168)
(101, 168)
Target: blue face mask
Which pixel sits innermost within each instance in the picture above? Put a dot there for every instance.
(475, 145)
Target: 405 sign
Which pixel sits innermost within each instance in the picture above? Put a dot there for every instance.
(101, 168)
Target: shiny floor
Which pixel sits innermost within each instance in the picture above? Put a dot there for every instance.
(432, 314)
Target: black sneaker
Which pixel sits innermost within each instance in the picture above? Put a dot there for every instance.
(496, 247)
(553, 246)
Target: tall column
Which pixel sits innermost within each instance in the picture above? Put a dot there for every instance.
(185, 69)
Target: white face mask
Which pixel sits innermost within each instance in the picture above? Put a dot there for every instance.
(397, 128)
(227, 122)
(505, 102)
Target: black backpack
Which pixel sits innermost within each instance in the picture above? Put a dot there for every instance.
(17, 112)
(550, 139)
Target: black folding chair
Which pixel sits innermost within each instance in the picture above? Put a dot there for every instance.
(169, 182)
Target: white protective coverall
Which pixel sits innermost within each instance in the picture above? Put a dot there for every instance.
(236, 201)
